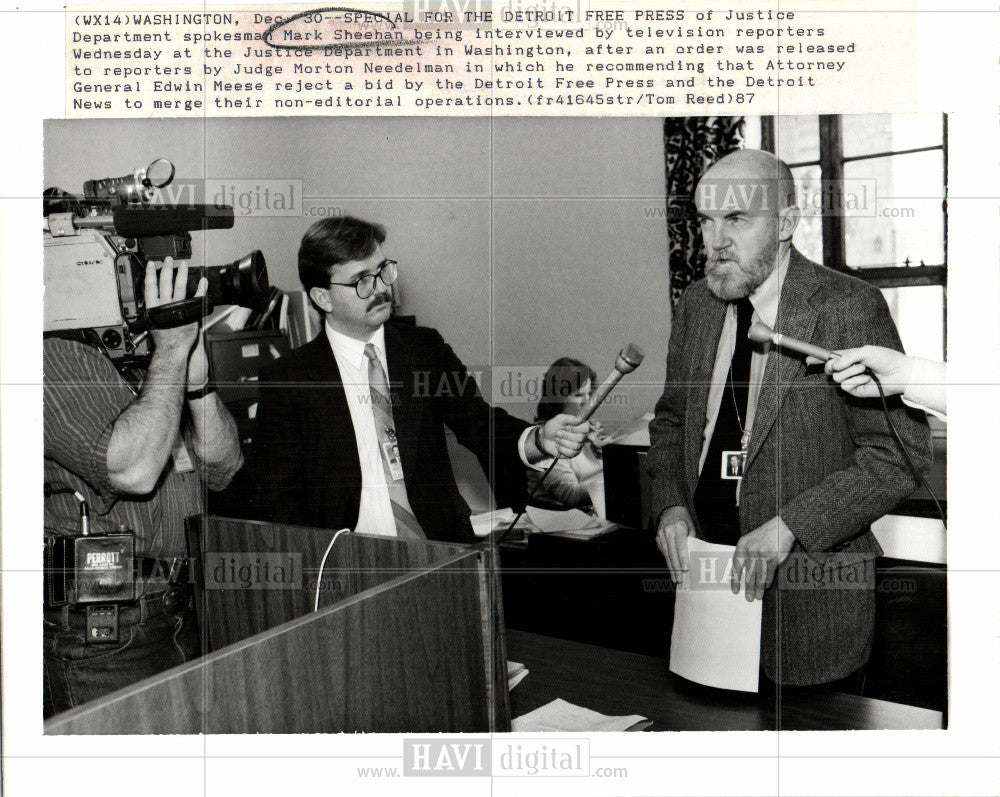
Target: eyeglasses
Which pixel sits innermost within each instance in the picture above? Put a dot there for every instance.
(365, 285)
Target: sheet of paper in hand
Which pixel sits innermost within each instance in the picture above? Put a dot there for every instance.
(716, 634)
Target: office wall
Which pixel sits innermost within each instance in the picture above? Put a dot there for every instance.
(521, 240)
(581, 264)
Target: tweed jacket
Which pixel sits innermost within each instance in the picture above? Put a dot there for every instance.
(823, 461)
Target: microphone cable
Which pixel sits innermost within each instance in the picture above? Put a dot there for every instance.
(532, 494)
(322, 566)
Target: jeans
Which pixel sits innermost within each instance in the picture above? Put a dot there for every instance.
(75, 672)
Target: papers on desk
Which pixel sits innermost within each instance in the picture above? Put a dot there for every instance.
(634, 433)
(568, 522)
(485, 522)
(515, 674)
(716, 635)
(560, 519)
(562, 717)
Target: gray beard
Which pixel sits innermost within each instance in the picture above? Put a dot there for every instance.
(743, 283)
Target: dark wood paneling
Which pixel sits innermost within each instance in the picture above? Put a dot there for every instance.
(356, 563)
(495, 642)
(411, 640)
(408, 656)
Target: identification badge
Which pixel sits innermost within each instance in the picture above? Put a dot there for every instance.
(733, 463)
(390, 451)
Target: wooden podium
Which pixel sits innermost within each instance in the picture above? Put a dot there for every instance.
(408, 637)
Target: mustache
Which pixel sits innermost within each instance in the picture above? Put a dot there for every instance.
(378, 301)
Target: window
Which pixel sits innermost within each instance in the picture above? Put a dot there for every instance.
(873, 189)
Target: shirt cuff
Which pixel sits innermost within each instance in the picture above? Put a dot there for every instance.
(522, 441)
(924, 408)
(926, 389)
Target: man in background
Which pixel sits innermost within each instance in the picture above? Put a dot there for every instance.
(818, 466)
(351, 425)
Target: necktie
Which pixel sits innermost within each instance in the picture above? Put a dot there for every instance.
(715, 497)
(381, 399)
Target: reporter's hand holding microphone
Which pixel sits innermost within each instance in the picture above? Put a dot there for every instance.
(850, 369)
(856, 369)
(564, 435)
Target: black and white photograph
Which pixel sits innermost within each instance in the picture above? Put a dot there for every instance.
(499, 398)
(411, 425)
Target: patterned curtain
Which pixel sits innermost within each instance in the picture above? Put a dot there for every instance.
(691, 144)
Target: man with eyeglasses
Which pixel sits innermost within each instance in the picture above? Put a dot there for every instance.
(351, 425)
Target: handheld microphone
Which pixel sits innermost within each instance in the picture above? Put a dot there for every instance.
(762, 333)
(628, 360)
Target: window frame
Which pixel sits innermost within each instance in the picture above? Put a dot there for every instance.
(831, 162)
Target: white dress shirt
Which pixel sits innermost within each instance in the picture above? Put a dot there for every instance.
(375, 513)
(765, 304)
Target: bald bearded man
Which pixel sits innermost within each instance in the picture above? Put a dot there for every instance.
(818, 465)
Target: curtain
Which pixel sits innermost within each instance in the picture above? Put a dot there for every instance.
(690, 145)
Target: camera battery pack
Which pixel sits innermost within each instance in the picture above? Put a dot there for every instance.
(102, 624)
(105, 568)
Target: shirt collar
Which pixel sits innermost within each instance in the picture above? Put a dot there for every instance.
(353, 350)
(768, 294)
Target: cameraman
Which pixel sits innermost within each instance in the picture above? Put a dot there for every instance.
(140, 462)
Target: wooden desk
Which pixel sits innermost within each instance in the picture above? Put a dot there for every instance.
(619, 683)
(607, 591)
(614, 592)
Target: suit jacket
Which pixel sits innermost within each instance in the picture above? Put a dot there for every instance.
(823, 461)
(307, 466)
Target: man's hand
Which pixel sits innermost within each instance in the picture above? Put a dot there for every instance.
(563, 436)
(165, 285)
(145, 432)
(757, 557)
(675, 527)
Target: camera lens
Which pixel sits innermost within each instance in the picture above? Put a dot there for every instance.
(243, 282)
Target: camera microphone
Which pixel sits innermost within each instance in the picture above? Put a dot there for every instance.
(147, 221)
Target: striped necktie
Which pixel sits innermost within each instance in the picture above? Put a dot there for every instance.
(381, 399)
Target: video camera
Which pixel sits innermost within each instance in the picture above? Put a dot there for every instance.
(97, 248)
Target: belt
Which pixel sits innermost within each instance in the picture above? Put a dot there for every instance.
(165, 603)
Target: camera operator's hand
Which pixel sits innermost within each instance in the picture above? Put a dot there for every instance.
(145, 432)
(162, 286)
